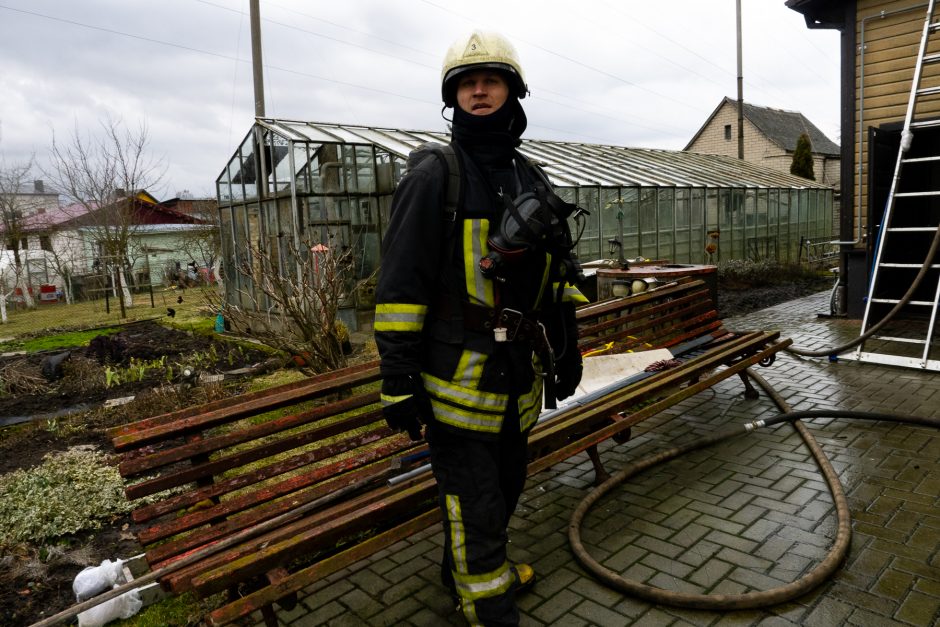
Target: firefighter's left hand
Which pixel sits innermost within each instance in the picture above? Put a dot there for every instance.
(403, 405)
(567, 373)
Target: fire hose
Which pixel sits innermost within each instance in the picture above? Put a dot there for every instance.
(748, 600)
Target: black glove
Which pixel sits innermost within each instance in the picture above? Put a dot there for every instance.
(403, 403)
(567, 373)
(568, 358)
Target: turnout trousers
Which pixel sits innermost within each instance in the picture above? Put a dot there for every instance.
(479, 483)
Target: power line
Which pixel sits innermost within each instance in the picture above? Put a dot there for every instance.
(206, 52)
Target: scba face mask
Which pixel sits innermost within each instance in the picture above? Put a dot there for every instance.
(532, 222)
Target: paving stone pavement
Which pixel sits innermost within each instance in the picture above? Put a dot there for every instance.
(747, 514)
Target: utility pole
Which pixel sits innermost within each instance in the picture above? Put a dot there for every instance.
(740, 88)
(258, 79)
(256, 67)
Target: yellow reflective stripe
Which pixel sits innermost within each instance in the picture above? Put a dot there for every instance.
(399, 317)
(388, 399)
(544, 282)
(465, 396)
(479, 289)
(570, 294)
(530, 405)
(475, 587)
(458, 547)
(462, 418)
(470, 368)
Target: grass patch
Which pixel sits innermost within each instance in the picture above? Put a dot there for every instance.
(69, 339)
(94, 314)
(174, 610)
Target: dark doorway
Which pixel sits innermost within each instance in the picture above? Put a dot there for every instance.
(906, 248)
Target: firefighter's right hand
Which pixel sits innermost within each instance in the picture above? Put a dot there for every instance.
(401, 405)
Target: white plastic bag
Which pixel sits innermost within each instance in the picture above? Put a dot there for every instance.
(123, 606)
(96, 579)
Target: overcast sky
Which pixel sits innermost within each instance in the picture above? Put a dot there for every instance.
(622, 72)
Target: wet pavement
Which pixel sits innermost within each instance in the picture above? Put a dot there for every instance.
(751, 513)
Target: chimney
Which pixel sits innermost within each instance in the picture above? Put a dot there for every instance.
(38, 187)
(120, 192)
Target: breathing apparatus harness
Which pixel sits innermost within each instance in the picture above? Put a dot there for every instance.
(535, 222)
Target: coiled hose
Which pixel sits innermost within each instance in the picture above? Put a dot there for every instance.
(836, 350)
(747, 600)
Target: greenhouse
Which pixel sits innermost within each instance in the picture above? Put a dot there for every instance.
(292, 184)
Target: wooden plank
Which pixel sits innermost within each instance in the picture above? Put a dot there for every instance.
(204, 420)
(316, 572)
(280, 489)
(147, 423)
(664, 312)
(243, 434)
(363, 477)
(223, 463)
(262, 556)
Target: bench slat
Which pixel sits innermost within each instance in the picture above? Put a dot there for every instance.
(171, 479)
(207, 445)
(242, 502)
(307, 576)
(301, 538)
(193, 422)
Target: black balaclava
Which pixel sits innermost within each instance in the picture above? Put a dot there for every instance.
(491, 140)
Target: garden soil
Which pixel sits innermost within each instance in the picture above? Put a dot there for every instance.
(34, 585)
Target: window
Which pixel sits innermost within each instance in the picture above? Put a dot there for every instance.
(727, 131)
(45, 243)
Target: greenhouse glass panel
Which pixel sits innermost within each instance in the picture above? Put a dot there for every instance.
(611, 221)
(365, 162)
(631, 221)
(683, 226)
(278, 161)
(589, 247)
(738, 224)
(302, 167)
(665, 224)
(697, 232)
(246, 176)
(331, 169)
(647, 223)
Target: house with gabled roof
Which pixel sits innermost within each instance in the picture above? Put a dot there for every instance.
(770, 137)
(65, 239)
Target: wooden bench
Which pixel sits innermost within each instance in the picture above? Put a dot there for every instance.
(310, 462)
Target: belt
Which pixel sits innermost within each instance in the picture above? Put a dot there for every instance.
(507, 325)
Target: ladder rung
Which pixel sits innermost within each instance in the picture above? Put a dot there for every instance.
(920, 159)
(913, 229)
(905, 340)
(916, 194)
(934, 26)
(907, 265)
(928, 91)
(932, 58)
(895, 301)
(925, 123)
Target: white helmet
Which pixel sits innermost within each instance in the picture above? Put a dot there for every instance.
(481, 50)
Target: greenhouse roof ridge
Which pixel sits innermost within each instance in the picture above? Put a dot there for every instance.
(569, 163)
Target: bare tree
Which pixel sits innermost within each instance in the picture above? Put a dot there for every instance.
(293, 302)
(102, 173)
(15, 209)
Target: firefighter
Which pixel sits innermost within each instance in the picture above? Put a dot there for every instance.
(474, 312)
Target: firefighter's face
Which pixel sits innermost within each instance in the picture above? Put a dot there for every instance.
(481, 92)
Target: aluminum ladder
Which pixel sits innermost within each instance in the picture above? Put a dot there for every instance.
(907, 344)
